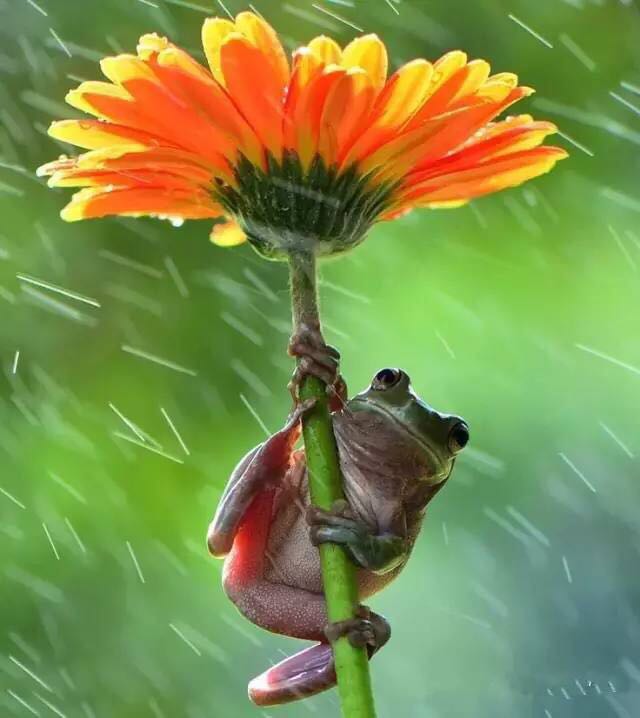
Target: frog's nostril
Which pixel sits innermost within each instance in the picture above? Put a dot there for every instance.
(458, 437)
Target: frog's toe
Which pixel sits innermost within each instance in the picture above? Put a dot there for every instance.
(315, 358)
(340, 515)
(341, 509)
(307, 366)
(342, 535)
(320, 352)
(308, 339)
(339, 526)
(364, 629)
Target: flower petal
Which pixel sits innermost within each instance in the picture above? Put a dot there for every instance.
(94, 134)
(141, 178)
(469, 120)
(152, 44)
(151, 48)
(445, 67)
(104, 100)
(396, 212)
(495, 89)
(93, 203)
(255, 89)
(128, 160)
(306, 66)
(419, 147)
(369, 53)
(328, 50)
(506, 78)
(512, 135)
(347, 105)
(505, 171)
(462, 83)
(152, 111)
(164, 110)
(401, 97)
(404, 93)
(205, 96)
(264, 37)
(309, 110)
(227, 234)
(214, 32)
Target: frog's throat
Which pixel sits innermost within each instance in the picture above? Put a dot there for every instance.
(438, 462)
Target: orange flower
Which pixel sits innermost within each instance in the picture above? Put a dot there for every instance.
(309, 154)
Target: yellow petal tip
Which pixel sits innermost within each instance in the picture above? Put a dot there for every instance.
(72, 213)
(227, 234)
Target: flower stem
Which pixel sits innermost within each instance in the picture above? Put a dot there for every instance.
(325, 486)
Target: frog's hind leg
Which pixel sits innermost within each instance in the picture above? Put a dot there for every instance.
(312, 670)
(278, 608)
(305, 674)
(262, 468)
(289, 611)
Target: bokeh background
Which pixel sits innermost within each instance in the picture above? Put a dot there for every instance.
(520, 312)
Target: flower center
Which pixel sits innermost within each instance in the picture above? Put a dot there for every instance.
(323, 210)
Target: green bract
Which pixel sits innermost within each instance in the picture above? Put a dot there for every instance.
(322, 211)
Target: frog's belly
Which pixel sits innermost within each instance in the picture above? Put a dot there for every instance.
(291, 558)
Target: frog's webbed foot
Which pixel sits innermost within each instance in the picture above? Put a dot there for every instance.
(339, 525)
(364, 629)
(340, 514)
(377, 553)
(312, 670)
(315, 358)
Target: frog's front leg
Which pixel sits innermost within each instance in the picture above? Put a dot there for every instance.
(378, 553)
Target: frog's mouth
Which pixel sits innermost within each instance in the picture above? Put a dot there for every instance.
(438, 465)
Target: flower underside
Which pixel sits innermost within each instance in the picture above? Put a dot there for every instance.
(302, 154)
(285, 208)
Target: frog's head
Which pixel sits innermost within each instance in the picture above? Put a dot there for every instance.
(440, 436)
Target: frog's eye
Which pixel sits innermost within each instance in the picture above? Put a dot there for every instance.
(458, 437)
(385, 379)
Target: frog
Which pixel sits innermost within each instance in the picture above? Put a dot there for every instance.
(396, 452)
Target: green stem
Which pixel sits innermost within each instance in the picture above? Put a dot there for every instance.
(325, 486)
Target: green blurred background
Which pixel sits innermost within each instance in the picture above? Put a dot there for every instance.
(520, 312)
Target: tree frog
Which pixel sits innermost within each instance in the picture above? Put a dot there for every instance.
(396, 452)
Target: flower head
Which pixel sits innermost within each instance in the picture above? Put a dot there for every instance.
(309, 153)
